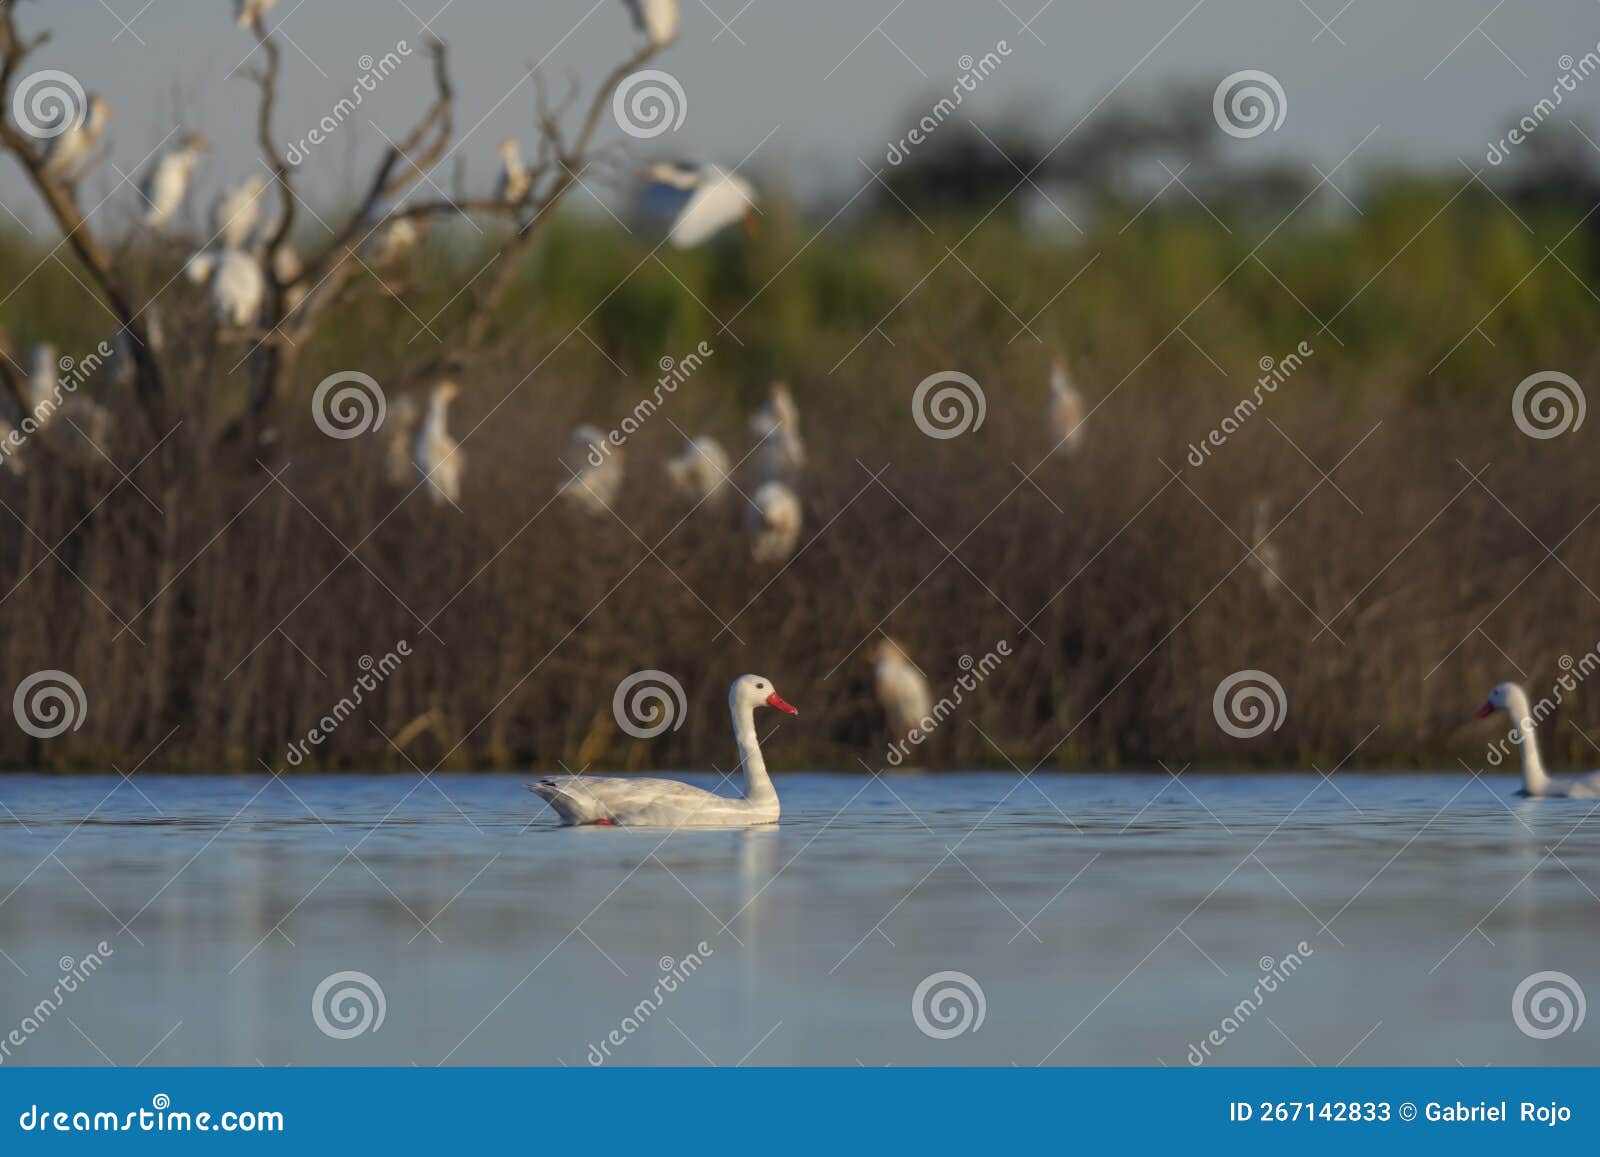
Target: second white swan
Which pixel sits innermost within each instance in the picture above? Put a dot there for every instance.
(1535, 782)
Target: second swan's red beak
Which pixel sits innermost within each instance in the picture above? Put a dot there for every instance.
(776, 700)
(1485, 711)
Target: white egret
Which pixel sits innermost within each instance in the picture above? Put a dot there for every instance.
(66, 153)
(391, 241)
(657, 19)
(42, 383)
(701, 471)
(780, 454)
(698, 200)
(438, 456)
(513, 183)
(168, 179)
(902, 691)
(250, 12)
(774, 522)
(596, 470)
(238, 288)
(1266, 557)
(235, 211)
(400, 434)
(1065, 413)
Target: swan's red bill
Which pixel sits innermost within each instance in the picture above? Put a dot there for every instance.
(1485, 711)
(776, 700)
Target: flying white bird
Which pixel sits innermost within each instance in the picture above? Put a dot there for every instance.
(596, 470)
(400, 431)
(1065, 413)
(699, 200)
(438, 456)
(168, 179)
(902, 691)
(238, 288)
(513, 183)
(657, 19)
(773, 522)
(66, 153)
(248, 12)
(235, 211)
(780, 454)
(701, 471)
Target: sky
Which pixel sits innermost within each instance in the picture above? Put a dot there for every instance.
(812, 93)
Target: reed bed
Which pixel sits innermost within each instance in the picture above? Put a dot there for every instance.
(214, 610)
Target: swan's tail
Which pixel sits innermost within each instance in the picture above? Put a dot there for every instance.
(570, 799)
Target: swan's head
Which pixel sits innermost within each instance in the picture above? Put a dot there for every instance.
(752, 691)
(1499, 697)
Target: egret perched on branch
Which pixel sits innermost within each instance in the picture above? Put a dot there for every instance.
(387, 242)
(774, 522)
(1065, 413)
(168, 179)
(513, 183)
(902, 691)
(781, 454)
(657, 19)
(438, 455)
(596, 470)
(698, 200)
(235, 211)
(238, 287)
(701, 471)
(249, 12)
(67, 153)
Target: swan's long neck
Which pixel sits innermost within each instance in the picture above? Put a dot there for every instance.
(757, 786)
(1534, 779)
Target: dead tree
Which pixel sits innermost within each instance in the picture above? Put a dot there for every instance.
(329, 278)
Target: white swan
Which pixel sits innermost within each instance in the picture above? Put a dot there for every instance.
(513, 183)
(657, 19)
(438, 456)
(1514, 700)
(168, 179)
(699, 200)
(66, 154)
(701, 471)
(902, 691)
(666, 803)
(1064, 416)
(774, 520)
